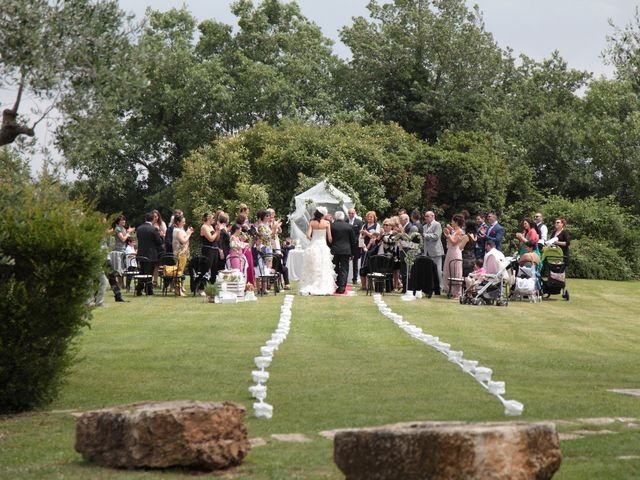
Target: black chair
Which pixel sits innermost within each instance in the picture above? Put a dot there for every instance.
(199, 272)
(142, 275)
(380, 273)
(454, 281)
(267, 278)
(168, 272)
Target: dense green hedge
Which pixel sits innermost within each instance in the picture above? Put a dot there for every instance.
(50, 250)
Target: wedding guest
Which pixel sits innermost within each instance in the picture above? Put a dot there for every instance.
(356, 225)
(530, 257)
(159, 223)
(131, 264)
(245, 226)
(168, 239)
(415, 219)
(561, 237)
(368, 236)
(181, 251)
(495, 231)
(432, 232)
(454, 235)
(480, 236)
(279, 264)
(149, 247)
(528, 233)
(208, 237)
(542, 229)
(237, 247)
(122, 233)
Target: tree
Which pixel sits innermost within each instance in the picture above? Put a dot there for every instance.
(198, 87)
(68, 55)
(374, 164)
(611, 117)
(427, 64)
(623, 51)
(536, 119)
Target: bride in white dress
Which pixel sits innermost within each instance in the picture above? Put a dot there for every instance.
(318, 276)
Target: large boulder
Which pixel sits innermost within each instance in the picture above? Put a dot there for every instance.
(449, 450)
(199, 435)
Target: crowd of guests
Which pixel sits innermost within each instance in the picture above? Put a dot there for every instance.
(255, 248)
(154, 247)
(457, 248)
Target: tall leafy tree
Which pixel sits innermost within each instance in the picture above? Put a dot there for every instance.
(67, 55)
(427, 64)
(624, 50)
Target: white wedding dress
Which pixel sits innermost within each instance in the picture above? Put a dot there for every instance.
(318, 276)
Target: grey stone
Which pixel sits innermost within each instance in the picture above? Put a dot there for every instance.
(291, 437)
(449, 450)
(201, 435)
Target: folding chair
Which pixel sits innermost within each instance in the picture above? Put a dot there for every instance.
(454, 281)
(169, 272)
(138, 277)
(380, 273)
(199, 272)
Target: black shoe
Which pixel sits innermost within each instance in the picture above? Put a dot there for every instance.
(120, 299)
(340, 291)
(138, 294)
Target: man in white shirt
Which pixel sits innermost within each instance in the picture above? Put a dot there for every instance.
(541, 227)
(493, 259)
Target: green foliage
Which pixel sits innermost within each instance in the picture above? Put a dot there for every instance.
(470, 173)
(53, 247)
(377, 165)
(592, 258)
(624, 50)
(428, 65)
(604, 233)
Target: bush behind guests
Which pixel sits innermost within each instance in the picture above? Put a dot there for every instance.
(605, 243)
(50, 250)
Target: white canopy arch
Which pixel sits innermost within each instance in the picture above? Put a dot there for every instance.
(321, 195)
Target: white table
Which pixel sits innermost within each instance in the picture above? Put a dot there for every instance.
(295, 262)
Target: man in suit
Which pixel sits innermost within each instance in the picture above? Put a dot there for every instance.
(356, 225)
(343, 248)
(149, 247)
(495, 231)
(432, 232)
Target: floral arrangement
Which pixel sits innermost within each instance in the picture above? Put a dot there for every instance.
(412, 244)
(249, 287)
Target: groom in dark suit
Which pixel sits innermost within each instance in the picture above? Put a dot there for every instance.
(149, 247)
(343, 248)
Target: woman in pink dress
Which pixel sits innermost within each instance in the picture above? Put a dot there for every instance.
(245, 228)
(455, 235)
(238, 246)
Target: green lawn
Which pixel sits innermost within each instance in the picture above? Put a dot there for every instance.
(345, 365)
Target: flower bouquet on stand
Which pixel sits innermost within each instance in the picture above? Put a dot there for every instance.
(249, 293)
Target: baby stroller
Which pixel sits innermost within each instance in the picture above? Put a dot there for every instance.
(492, 289)
(527, 285)
(554, 269)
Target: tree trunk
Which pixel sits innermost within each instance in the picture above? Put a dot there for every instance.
(10, 128)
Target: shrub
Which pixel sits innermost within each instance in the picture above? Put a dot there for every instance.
(51, 248)
(597, 259)
(604, 228)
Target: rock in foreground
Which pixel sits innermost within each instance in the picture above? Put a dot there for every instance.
(200, 435)
(449, 450)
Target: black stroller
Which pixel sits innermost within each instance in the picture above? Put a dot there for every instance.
(554, 272)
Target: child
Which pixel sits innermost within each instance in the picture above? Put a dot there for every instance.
(475, 277)
(130, 260)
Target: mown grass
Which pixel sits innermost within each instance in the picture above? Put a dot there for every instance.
(345, 365)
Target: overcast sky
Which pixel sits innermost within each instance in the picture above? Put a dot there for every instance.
(576, 28)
